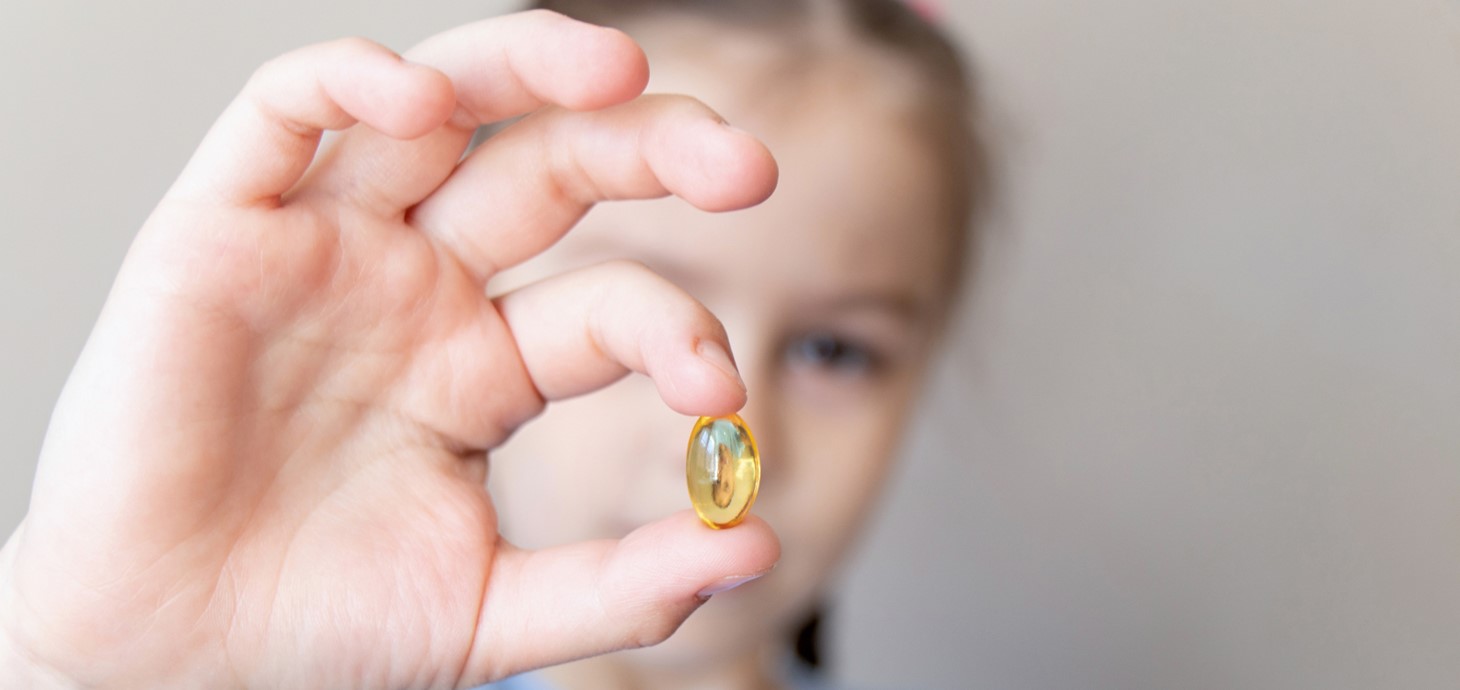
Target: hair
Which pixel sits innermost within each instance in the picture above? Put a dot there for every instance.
(935, 87)
(936, 91)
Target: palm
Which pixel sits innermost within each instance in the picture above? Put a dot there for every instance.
(268, 466)
(347, 498)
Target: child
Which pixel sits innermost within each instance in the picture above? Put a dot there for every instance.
(833, 293)
(268, 467)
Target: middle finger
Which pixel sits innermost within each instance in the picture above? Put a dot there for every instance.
(524, 188)
(500, 67)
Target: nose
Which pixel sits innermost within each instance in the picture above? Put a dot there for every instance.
(656, 437)
(763, 413)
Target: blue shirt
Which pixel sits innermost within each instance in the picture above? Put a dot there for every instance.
(796, 676)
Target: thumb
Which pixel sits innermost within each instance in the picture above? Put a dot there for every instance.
(555, 605)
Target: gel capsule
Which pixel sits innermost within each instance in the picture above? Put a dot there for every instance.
(723, 470)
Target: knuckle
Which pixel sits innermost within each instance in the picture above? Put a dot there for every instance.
(680, 106)
(308, 58)
(623, 280)
(629, 281)
(267, 73)
(543, 15)
(350, 46)
(637, 277)
(630, 269)
(655, 630)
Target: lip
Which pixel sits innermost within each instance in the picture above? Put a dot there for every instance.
(620, 528)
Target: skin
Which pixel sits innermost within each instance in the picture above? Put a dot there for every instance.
(266, 470)
(839, 259)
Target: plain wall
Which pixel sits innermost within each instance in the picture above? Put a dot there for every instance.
(1200, 426)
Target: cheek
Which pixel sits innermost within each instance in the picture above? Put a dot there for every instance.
(542, 501)
(593, 467)
(547, 490)
(829, 466)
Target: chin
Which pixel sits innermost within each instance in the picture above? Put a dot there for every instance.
(725, 629)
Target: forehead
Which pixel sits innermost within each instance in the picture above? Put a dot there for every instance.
(851, 214)
(855, 210)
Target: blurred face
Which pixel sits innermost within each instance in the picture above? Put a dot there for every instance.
(831, 295)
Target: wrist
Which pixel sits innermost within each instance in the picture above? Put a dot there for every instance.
(19, 667)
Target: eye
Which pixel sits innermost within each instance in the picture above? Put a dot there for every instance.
(828, 351)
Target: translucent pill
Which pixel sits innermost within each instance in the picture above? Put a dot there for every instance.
(723, 470)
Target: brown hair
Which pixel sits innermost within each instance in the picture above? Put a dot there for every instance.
(942, 98)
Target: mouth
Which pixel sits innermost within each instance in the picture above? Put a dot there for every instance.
(620, 528)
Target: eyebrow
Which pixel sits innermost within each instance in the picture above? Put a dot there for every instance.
(596, 249)
(900, 305)
(896, 303)
(687, 280)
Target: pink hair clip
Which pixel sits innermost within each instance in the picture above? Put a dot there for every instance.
(932, 11)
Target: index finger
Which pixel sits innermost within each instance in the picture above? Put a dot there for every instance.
(501, 67)
(266, 138)
(420, 112)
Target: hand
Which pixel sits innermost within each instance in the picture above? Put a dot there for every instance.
(267, 468)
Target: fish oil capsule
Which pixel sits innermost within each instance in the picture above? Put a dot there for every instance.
(722, 467)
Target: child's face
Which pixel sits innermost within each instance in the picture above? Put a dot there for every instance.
(831, 293)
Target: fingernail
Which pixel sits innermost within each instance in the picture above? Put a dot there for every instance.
(727, 584)
(716, 356)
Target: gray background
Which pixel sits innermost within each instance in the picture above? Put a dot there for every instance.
(1201, 424)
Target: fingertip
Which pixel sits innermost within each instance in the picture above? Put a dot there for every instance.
(769, 170)
(401, 99)
(626, 65)
(433, 97)
(708, 556)
(702, 382)
(759, 544)
(718, 357)
(581, 599)
(599, 66)
(736, 169)
(751, 166)
(413, 102)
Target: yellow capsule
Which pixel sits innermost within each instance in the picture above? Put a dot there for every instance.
(723, 470)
